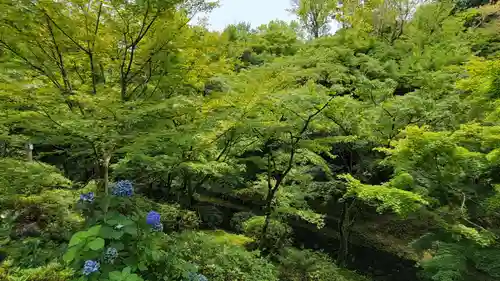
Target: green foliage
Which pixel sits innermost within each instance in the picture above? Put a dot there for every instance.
(49, 272)
(385, 196)
(278, 234)
(239, 219)
(296, 265)
(224, 237)
(116, 223)
(27, 178)
(462, 261)
(211, 216)
(395, 112)
(173, 217)
(221, 260)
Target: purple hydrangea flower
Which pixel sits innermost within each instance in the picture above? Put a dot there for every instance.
(153, 219)
(87, 197)
(90, 266)
(123, 189)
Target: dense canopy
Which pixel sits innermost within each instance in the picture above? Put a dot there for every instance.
(136, 145)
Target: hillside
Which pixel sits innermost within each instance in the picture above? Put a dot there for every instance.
(137, 146)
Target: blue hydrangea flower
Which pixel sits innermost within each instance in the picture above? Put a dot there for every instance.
(87, 197)
(123, 189)
(197, 277)
(153, 218)
(90, 266)
(110, 255)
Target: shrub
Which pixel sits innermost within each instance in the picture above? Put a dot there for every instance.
(21, 177)
(37, 225)
(49, 272)
(238, 219)
(220, 260)
(211, 216)
(298, 265)
(123, 241)
(278, 233)
(230, 238)
(173, 217)
(50, 213)
(32, 252)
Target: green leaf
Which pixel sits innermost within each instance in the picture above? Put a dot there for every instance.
(156, 255)
(115, 275)
(117, 234)
(117, 245)
(126, 270)
(94, 231)
(131, 229)
(112, 222)
(77, 238)
(127, 222)
(70, 255)
(130, 261)
(134, 277)
(108, 232)
(96, 244)
(142, 266)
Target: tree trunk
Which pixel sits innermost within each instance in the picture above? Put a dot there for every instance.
(29, 151)
(105, 173)
(345, 224)
(187, 189)
(268, 211)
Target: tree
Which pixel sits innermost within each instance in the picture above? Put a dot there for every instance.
(86, 65)
(313, 15)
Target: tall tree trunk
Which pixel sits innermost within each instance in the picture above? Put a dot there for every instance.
(168, 186)
(105, 173)
(345, 226)
(29, 151)
(186, 184)
(267, 211)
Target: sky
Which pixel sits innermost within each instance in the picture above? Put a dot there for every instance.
(256, 12)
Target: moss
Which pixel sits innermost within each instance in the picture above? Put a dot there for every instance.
(50, 272)
(223, 237)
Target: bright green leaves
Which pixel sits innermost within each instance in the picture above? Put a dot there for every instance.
(436, 161)
(78, 238)
(84, 241)
(385, 197)
(96, 244)
(482, 237)
(482, 88)
(117, 225)
(94, 231)
(71, 254)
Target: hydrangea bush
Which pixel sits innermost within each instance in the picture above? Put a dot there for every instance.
(121, 242)
(123, 188)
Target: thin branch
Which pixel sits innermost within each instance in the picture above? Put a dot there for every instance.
(64, 32)
(309, 119)
(32, 65)
(60, 56)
